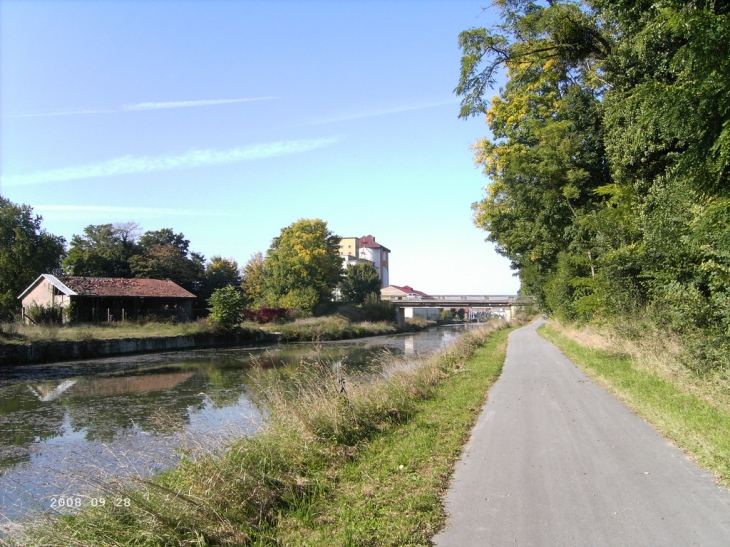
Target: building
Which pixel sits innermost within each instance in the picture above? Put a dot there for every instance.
(355, 250)
(394, 292)
(371, 250)
(350, 250)
(93, 299)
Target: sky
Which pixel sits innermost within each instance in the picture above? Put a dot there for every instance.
(229, 120)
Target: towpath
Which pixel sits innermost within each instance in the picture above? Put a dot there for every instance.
(555, 460)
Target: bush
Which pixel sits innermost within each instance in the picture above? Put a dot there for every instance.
(44, 315)
(226, 308)
(268, 315)
(375, 309)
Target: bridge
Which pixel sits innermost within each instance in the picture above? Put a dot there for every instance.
(457, 301)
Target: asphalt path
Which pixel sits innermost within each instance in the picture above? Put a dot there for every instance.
(555, 460)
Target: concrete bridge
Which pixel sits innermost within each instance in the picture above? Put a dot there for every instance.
(458, 301)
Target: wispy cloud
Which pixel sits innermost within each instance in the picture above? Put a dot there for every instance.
(88, 210)
(144, 164)
(141, 106)
(185, 104)
(382, 112)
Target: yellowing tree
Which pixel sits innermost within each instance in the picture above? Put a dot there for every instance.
(302, 266)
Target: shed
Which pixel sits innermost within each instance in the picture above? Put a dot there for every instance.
(92, 299)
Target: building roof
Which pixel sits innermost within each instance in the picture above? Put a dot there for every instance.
(369, 242)
(113, 286)
(409, 290)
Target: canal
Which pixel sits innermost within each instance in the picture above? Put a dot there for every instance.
(69, 427)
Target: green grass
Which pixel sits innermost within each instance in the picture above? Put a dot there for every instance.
(316, 329)
(363, 465)
(391, 494)
(689, 420)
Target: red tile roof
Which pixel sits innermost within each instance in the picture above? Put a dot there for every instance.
(410, 290)
(116, 286)
(369, 243)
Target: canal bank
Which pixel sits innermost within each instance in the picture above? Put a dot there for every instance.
(72, 350)
(336, 463)
(62, 424)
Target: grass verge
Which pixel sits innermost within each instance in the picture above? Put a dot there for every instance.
(340, 463)
(677, 407)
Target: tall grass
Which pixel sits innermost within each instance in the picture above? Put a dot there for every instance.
(237, 494)
(17, 333)
(315, 329)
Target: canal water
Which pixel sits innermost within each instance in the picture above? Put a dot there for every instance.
(67, 428)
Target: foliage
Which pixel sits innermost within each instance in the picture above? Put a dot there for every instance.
(252, 284)
(375, 309)
(165, 255)
(267, 315)
(226, 308)
(39, 314)
(610, 158)
(103, 251)
(219, 273)
(359, 281)
(26, 251)
(302, 266)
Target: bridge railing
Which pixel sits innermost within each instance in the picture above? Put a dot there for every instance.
(475, 299)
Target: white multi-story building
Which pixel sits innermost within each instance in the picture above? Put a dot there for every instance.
(371, 250)
(366, 249)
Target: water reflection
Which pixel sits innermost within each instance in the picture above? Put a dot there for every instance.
(62, 424)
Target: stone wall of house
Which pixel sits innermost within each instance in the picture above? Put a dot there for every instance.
(51, 352)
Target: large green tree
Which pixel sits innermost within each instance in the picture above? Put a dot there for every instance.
(165, 255)
(104, 250)
(220, 273)
(26, 251)
(359, 281)
(302, 266)
(610, 157)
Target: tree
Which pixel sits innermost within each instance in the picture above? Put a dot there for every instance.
(164, 255)
(610, 157)
(302, 266)
(360, 280)
(26, 251)
(103, 251)
(253, 284)
(219, 273)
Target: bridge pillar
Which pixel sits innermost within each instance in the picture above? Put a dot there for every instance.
(400, 316)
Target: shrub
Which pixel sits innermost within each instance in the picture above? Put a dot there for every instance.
(44, 315)
(226, 307)
(375, 309)
(268, 315)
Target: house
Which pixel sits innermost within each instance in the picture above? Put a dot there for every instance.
(395, 293)
(92, 299)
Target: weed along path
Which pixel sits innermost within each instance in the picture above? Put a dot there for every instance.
(556, 460)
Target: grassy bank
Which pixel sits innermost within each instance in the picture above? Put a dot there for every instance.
(649, 375)
(313, 329)
(340, 462)
(316, 329)
(16, 333)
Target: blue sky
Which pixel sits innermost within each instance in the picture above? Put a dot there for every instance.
(228, 120)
